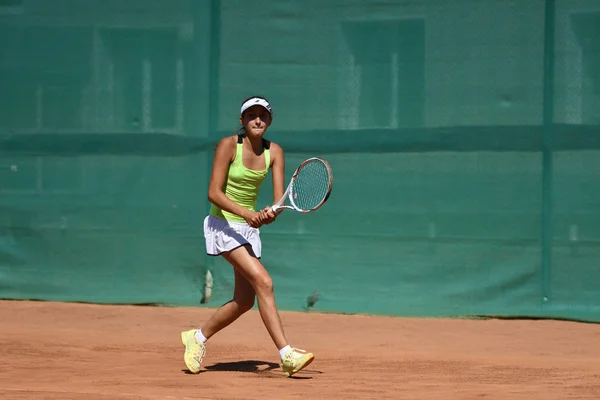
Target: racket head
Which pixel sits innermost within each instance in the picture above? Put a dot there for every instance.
(311, 185)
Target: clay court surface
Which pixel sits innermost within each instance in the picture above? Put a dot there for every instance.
(95, 352)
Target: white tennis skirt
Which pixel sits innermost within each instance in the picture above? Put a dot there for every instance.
(221, 236)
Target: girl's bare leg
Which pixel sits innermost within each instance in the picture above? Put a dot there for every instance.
(245, 263)
(243, 300)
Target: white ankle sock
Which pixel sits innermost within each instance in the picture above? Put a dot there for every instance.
(283, 351)
(200, 337)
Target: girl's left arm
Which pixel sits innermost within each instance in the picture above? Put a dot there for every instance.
(278, 176)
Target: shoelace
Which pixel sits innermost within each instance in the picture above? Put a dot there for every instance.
(197, 350)
(296, 353)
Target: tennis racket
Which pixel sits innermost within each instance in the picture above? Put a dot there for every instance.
(309, 187)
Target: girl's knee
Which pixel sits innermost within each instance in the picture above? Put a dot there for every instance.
(264, 284)
(244, 304)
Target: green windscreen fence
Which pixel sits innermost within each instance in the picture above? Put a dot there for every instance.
(464, 138)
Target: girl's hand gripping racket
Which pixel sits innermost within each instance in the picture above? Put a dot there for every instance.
(309, 187)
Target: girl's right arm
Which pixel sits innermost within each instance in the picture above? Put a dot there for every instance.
(223, 157)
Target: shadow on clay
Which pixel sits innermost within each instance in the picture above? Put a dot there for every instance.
(272, 370)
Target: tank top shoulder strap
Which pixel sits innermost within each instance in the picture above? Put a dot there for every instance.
(266, 147)
(238, 150)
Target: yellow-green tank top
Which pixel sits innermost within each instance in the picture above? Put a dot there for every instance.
(243, 184)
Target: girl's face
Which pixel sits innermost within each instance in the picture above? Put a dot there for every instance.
(256, 120)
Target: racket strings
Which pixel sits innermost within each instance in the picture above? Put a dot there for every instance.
(312, 185)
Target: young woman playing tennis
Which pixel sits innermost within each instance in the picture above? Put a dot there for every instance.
(231, 230)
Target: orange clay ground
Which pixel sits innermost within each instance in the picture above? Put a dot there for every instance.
(94, 352)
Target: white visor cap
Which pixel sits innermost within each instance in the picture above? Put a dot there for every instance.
(255, 101)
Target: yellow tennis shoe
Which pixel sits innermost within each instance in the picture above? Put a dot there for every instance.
(194, 351)
(295, 360)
